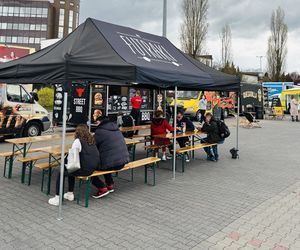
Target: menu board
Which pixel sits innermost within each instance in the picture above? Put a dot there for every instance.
(58, 103)
(79, 103)
(118, 103)
(98, 101)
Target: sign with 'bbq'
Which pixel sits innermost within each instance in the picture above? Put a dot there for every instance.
(79, 104)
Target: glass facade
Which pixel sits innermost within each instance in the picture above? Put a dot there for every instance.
(27, 22)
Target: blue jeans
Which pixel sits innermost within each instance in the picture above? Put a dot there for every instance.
(211, 151)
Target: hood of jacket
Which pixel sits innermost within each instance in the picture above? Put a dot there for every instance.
(158, 121)
(108, 125)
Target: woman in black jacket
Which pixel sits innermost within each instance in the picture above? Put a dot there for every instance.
(89, 162)
(211, 128)
(113, 153)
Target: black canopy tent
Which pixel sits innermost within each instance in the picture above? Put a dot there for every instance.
(99, 51)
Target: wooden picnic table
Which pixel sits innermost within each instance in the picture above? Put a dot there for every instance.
(23, 145)
(191, 134)
(179, 135)
(134, 128)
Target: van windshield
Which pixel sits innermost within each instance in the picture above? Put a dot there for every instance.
(186, 95)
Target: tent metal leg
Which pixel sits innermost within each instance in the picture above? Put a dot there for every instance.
(174, 140)
(62, 156)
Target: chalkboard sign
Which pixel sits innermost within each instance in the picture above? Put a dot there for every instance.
(98, 101)
(79, 104)
(58, 103)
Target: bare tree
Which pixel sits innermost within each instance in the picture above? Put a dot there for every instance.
(226, 45)
(277, 45)
(194, 27)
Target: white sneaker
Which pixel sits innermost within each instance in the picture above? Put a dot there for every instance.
(54, 201)
(164, 158)
(69, 196)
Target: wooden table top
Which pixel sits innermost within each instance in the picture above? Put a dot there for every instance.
(129, 141)
(134, 128)
(180, 135)
(41, 138)
(54, 150)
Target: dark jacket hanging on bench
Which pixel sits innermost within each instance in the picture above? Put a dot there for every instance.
(111, 145)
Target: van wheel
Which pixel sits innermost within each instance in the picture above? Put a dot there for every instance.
(32, 129)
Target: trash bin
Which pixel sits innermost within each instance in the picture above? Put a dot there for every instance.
(259, 114)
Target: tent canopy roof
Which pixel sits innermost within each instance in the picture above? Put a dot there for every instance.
(99, 51)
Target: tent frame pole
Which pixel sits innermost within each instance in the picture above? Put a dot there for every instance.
(237, 120)
(90, 107)
(62, 156)
(174, 139)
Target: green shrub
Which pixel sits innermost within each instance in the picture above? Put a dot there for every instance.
(46, 97)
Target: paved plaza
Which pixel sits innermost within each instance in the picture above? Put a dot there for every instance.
(250, 203)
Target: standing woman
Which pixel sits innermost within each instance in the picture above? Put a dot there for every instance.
(294, 109)
(202, 107)
(136, 103)
(89, 162)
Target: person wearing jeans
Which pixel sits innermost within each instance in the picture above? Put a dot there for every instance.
(202, 108)
(211, 128)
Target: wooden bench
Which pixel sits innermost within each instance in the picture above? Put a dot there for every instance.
(182, 151)
(8, 160)
(46, 170)
(29, 162)
(148, 163)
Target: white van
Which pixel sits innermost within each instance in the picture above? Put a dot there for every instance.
(20, 114)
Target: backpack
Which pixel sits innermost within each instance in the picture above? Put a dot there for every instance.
(128, 121)
(224, 131)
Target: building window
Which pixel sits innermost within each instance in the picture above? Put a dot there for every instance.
(15, 26)
(16, 11)
(31, 39)
(45, 12)
(71, 14)
(32, 26)
(26, 39)
(60, 32)
(2, 39)
(44, 27)
(10, 11)
(61, 17)
(22, 12)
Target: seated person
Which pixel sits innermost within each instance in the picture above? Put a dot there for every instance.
(113, 154)
(89, 161)
(184, 122)
(210, 127)
(160, 126)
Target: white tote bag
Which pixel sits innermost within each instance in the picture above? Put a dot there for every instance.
(73, 160)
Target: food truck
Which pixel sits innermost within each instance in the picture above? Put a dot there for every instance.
(285, 98)
(20, 114)
(252, 97)
(189, 101)
(88, 102)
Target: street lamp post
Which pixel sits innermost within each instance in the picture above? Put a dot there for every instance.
(164, 28)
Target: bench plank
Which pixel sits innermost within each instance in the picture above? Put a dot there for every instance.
(45, 165)
(195, 147)
(33, 158)
(130, 165)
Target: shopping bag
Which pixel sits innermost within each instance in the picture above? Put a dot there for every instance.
(73, 160)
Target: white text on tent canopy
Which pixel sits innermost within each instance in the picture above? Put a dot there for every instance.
(148, 50)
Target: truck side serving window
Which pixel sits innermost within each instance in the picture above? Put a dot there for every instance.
(13, 93)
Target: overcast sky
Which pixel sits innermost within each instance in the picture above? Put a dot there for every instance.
(249, 21)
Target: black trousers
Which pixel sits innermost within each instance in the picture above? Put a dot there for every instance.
(135, 113)
(182, 141)
(71, 178)
(202, 112)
